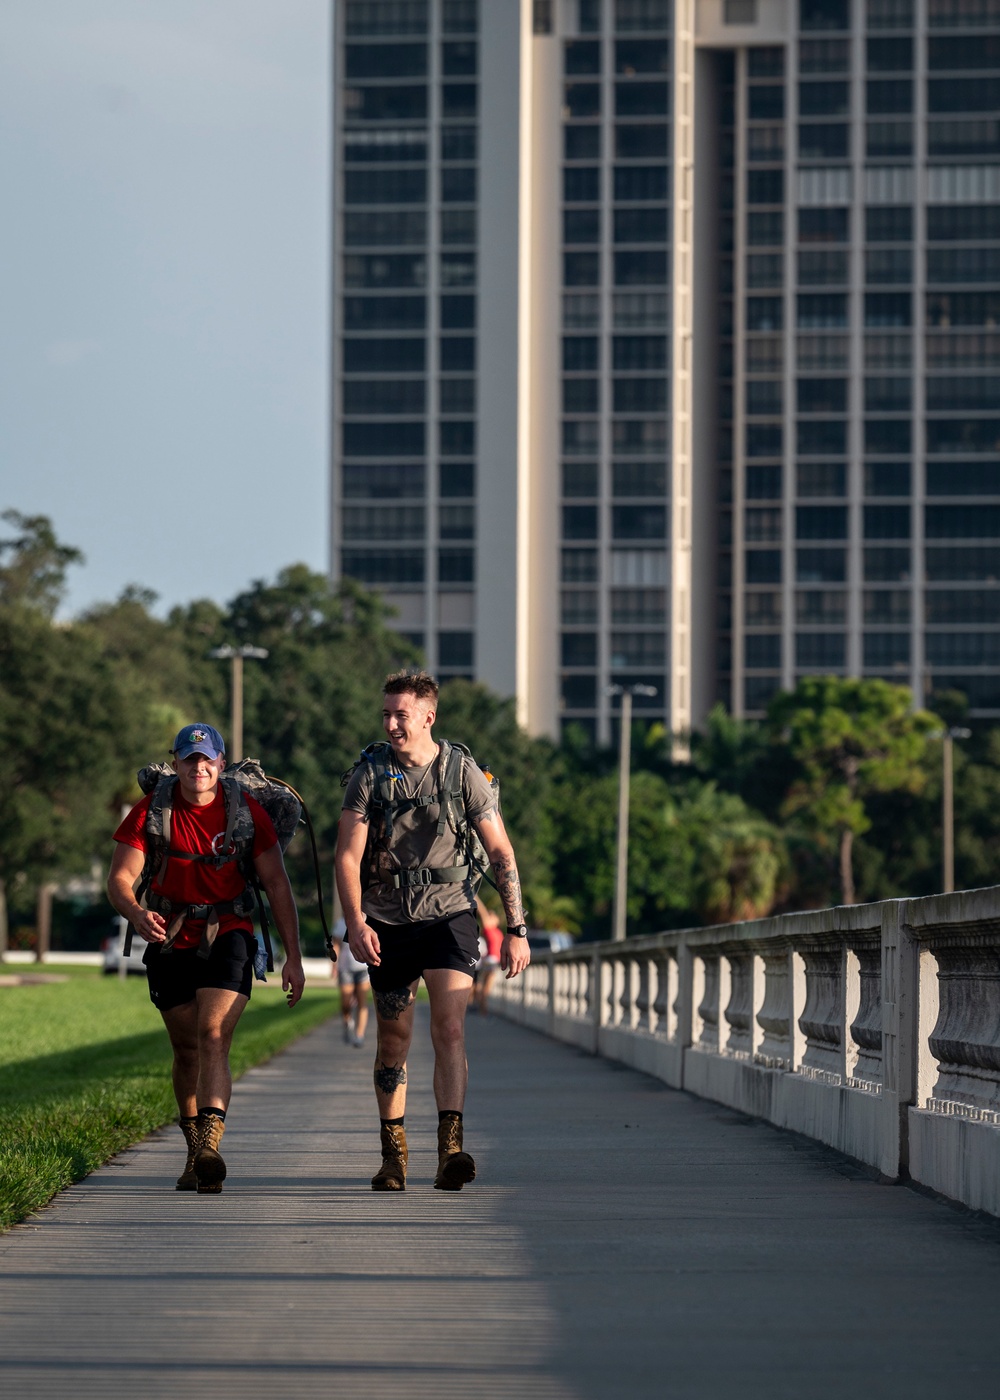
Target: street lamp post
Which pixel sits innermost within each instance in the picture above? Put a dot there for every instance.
(624, 784)
(948, 805)
(237, 655)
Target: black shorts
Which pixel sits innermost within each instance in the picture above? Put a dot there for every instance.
(175, 976)
(408, 950)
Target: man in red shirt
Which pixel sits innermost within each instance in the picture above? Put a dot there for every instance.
(201, 949)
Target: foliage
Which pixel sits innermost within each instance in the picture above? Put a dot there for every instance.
(852, 738)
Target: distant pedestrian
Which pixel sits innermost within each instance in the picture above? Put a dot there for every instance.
(353, 980)
(199, 929)
(492, 938)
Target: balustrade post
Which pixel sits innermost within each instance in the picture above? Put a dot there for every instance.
(685, 995)
(796, 1006)
(757, 986)
(928, 1006)
(850, 984)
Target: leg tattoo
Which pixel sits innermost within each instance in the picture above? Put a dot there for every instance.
(391, 1005)
(389, 1078)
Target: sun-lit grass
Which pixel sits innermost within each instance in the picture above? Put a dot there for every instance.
(85, 1072)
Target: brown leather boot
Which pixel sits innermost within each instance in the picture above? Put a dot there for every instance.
(455, 1167)
(188, 1181)
(391, 1175)
(209, 1167)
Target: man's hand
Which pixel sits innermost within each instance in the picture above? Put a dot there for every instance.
(363, 943)
(152, 927)
(515, 955)
(293, 979)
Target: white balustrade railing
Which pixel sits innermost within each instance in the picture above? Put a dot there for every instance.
(874, 1028)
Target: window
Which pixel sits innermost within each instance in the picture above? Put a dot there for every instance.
(459, 17)
(765, 103)
(883, 395)
(963, 138)
(763, 397)
(384, 104)
(887, 478)
(639, 352)
(381, 146)
(456, 649)
(888, 223)
(579, 649)
(820, 649)
(396, 439)
(763, 565)
(579, 522)
(952, 223)
(582, 100)
(640, 395)
(963, 478)
(890, 14)
(389, 396)
(581, 352)
(824, 225)
(458, 226)
(830, 99)
(581, 269)
(764, 313)
(581, 311)
(582, 142)
(963, 308)
(580, 438)
(821, 395)
(378, 482)
(385, 60)
(959, 54)
(635, 268)
(764, 355)
(888, 351)
(823, 609)
(739, 12)
(641, 142)
(962, 522)
(579, 607)
(824, 14)
(639, 309)
(888, 308)
(579, 692)
(456, 566)
(763, 439)
(890, 605)
(821, 438)
(639, 478)
(821, 522)
(822, 478)
(758, 692)
(763, 483)
(762, 609)
(458, 184)
(641, 99)
(458, 143)
(457, 396)
(580, 479)
(457, 352)
(970, 606)
(884, 95)
(456, 439)
(962, 648)
(640, 225)
(385, 186)
(638, 649)
(457, 522)
(826, 141)
(384, 356)
(765, 144)
(766, 228)
(385, 270)
(638, 522)
(581, 396)
(762, 651)
(888, 265)
(824, 56)
(765, 187)
(640, 182)
(581, 184)
(888, 139)
(820, 565)
(887, 522)
(763, 526)
(579, 566)
(642, 56)
(963, 265)
(457, 479)
(821, 310)
(980, 563)
(636, 606)
(384, 566)
(886, 649)
(581, 226)
(887, 436)
(638, 16)
(541, 17)
(891, 55)
(458, 269)
(384, 228)
(386, 17)
(822, 352)
(766, 63)
(886, 564)
(590, 16)
(822, 269)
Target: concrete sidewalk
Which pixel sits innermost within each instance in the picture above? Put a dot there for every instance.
(622, 1239)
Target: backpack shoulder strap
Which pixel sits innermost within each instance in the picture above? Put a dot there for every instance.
(450, 796)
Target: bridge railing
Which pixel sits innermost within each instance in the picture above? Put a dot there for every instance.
(874, 1028)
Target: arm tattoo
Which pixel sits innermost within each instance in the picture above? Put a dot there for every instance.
(391, 1005)
(509, 888)
(389, 1078)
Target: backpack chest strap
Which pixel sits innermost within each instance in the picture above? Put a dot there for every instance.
(426, 875)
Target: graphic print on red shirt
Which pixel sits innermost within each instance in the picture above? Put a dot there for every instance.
(200, 830)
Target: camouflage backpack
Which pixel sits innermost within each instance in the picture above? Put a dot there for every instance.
(378, 866)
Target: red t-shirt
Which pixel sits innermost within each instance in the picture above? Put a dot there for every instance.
(200, 830)
(493, 934)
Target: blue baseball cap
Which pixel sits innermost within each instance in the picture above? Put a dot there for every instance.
(199, 738)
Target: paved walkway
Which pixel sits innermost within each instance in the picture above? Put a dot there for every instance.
(622, 1240)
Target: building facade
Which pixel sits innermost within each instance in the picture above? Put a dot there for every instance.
(666, 344)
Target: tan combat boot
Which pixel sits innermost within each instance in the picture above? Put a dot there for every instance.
(188, 1181)
(391, 1175)
(209, 1167)
(455, 1167)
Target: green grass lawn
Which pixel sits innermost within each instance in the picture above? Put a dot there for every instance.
(85, 1072)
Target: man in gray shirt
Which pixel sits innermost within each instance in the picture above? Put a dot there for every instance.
(407, 892)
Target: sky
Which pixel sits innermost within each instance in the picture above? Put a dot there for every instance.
(164, 287)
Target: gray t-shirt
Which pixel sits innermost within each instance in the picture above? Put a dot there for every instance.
(415, 842)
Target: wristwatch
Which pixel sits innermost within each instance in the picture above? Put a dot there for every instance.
(517, 930)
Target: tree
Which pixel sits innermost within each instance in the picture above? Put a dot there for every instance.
(852, 739)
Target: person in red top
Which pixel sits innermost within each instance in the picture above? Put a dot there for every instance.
(201, 985)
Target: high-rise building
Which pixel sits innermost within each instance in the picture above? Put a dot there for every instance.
(666, 344)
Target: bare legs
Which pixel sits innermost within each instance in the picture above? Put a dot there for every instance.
(448, 991)
(201, 1033)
